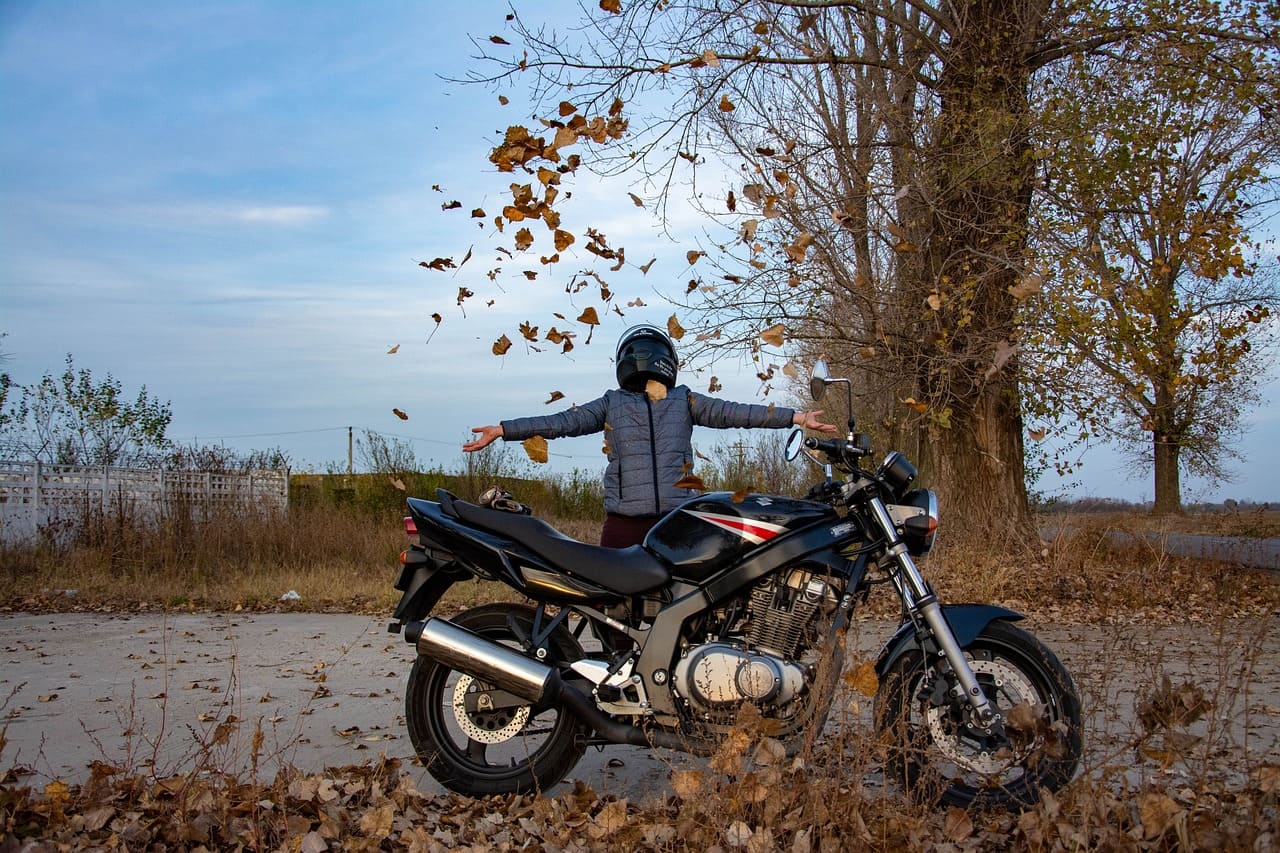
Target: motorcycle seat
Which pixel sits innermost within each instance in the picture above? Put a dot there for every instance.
(628, 571)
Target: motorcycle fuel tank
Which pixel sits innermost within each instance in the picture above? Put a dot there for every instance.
(707, 533)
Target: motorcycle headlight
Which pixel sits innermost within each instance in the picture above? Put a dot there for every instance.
(897, 471)
(920, 521)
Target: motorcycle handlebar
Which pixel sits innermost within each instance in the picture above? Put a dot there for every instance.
(836, 447)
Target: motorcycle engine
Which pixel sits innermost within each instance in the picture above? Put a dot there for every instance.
(762, 665)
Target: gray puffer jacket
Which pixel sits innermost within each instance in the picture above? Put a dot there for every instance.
(650, 443)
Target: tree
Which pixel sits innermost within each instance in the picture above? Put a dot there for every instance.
(887, 180)
(1157, 303)
(72, 419)
(384, 454)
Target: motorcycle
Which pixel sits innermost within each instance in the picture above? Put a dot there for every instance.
(731, 599)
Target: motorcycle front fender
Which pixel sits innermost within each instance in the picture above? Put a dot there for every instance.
(967, 621)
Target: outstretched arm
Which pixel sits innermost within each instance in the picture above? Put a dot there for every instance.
(809, 420)
(487, 435)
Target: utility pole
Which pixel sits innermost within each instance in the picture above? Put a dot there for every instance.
(351, 468)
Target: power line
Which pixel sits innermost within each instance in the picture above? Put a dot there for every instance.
(362, 429)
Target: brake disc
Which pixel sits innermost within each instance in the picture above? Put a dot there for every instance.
(1012, 687)
(493, 725)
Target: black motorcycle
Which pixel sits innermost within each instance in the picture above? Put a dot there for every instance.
(730, 599)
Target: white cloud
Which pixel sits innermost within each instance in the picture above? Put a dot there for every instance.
(282, 214)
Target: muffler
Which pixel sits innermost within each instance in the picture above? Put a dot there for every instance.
(465, 651)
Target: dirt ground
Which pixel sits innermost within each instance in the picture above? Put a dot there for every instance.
(185, 692)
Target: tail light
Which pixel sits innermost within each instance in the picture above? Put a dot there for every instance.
(410, 526)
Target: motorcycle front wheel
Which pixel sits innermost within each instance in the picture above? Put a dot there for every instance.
(937, 756)
(478, 740)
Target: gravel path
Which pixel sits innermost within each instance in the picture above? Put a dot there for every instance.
(140, 689)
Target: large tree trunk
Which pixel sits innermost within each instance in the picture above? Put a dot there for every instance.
(1168, 480)
(979, 181)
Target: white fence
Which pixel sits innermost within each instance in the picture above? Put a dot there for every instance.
(35, 496)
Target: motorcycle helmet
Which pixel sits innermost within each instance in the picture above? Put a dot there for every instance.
(645, 352)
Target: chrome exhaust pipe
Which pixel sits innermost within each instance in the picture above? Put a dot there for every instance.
(465, 651)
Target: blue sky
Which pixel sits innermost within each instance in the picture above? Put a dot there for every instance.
(227, 203)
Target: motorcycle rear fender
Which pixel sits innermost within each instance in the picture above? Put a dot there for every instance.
(422, 583)
(967, 621)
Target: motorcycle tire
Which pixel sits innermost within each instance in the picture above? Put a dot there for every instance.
(938, 758)
(508, 750)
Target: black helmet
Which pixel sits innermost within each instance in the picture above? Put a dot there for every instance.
(645, 352)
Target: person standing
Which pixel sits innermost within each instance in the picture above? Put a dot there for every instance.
(649, 434)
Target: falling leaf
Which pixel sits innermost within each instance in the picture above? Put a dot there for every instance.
(398, 484)
(464, 293)
(797, 250)
(395, 349)
(48, 697)
(934, 301)
(692, 255)
(501, 345)
(566, 109)
(478, 213)
(710, 58)
(438, 264)
(740, 495)
(504, 100)
(714, 386)
(1004, 351)
(451, 205)
(674, 329)
(775, 335)
(536, 448)
(555, 395)
(655, 390)
(1037, 434)
(644, 270)
(863, 678)
(613, 7)
(915, 404)
(589, 317)
(691, 481)
(726, 105)
(1029, 286)
(524, 239)
(563, 240)
(399, 414)
(731, 202)
(636, 200)
(498, 40)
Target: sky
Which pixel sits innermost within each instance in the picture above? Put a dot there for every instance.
(228, 202)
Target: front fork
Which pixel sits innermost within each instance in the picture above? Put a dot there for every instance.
(922, 606)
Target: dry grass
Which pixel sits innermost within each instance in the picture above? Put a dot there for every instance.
(334, 558)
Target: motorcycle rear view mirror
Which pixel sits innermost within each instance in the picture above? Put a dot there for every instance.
(795, 443)
(818, 379)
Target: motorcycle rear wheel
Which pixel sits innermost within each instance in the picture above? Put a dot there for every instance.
(505, 750)
(938, 758)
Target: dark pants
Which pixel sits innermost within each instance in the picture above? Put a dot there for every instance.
(621, 531)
